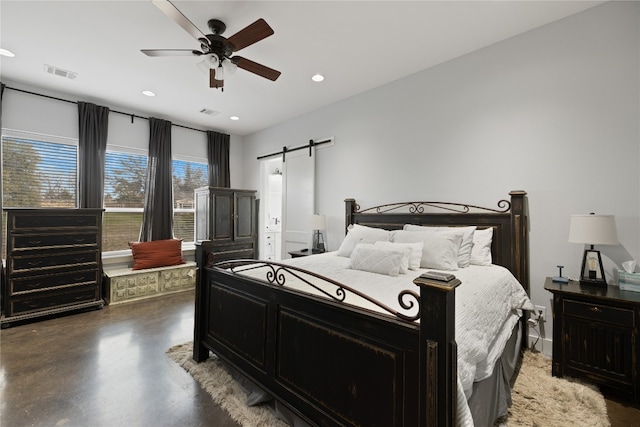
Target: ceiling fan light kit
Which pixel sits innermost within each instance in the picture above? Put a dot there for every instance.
(216, 49)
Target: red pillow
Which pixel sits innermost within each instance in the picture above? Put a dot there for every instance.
(157, 253)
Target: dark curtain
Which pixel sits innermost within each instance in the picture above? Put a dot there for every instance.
(157, 219)
(218, 155)
(2, 86)
(92, 146)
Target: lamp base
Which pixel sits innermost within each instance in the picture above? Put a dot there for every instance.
(593, 283)
(592, 269)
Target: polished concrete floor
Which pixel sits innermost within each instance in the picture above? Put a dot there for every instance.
(104, 368)
(109, 368)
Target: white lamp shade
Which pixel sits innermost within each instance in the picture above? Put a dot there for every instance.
(319, 222)
(593, 229)
(209, 61)
(229, 67)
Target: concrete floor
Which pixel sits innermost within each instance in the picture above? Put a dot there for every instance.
(104, 368)
(108, 368)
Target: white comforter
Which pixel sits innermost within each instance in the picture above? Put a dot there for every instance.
(488, 304)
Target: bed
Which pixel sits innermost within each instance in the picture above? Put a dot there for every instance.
(333, 362)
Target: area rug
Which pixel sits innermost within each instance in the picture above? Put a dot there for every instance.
(539, 400)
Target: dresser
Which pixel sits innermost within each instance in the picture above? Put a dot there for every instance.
(595, 336)
(53, 263)
(226, 220)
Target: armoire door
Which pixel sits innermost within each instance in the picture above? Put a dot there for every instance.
(245, 216)
(222, 213)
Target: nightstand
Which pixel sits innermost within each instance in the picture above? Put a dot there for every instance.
(595, 336)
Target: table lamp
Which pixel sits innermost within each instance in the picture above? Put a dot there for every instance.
(592, 230)
(318, 224)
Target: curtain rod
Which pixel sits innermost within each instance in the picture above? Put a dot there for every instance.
(110, 110)
(286, 150)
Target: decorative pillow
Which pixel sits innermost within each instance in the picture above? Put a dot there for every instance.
(440, 250)
(361, 234)
(157, 253)
(481, 251)
(414, 249)
(375, 260)
(464, 254)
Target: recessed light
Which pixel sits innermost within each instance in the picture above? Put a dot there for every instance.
(5, 52)
(317, 78)
(234, 118)
(148, 93)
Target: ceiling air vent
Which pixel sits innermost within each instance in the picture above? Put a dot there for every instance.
(59, 72)
(209, 112)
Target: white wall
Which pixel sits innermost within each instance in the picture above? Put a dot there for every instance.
(32, 113)
(554, 111)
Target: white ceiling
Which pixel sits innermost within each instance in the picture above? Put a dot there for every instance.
(357, 45)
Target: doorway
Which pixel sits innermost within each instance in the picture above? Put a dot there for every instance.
(288, 193)
(271, 232)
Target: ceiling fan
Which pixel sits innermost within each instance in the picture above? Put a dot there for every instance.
(216, 49)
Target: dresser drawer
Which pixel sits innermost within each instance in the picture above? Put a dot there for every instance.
(36, 220)
(20, 242)
(60, 260)
(28, 284)
(22, 306)
(599, 313)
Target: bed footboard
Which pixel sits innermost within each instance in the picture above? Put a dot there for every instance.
(330, 363)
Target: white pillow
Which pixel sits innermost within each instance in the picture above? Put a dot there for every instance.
(375, 260)
(406, 253)
(361, 234)
(464, 254)
(414, 249)
(481, 251)
(440, 250)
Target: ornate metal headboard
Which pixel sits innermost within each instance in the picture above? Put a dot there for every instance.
(508, 220)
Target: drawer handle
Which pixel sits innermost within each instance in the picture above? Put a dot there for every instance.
(596, 309)
(80, 240)
(35, 242)
(34, 263)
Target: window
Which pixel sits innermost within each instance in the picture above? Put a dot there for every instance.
(125, 174)
(187, 176)
(124, 184)
(41, 171)
(38, 171)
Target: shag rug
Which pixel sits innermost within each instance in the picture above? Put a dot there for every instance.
(539, 400)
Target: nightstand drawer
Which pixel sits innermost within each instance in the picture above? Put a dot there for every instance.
(599, 313)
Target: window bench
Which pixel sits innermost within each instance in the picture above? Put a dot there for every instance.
(126, 284)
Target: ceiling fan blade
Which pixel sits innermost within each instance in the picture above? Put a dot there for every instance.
(255, 68)
(171, 52)
(249, 35)
(216, 84)
(172, 12)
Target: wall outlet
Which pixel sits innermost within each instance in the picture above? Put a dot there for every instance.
(541, 312)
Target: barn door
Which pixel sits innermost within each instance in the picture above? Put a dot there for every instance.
(298, 198)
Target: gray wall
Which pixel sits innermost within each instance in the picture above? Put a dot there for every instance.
(554, 111)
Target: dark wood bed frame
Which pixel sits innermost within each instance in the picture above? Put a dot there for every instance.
(334, 364)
